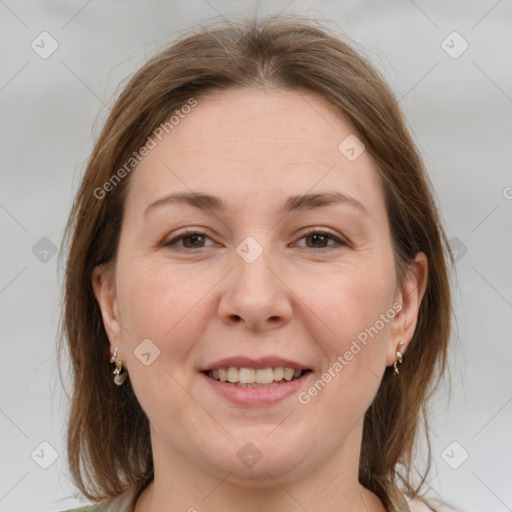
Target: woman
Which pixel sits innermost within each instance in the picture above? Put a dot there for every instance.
(256, 251)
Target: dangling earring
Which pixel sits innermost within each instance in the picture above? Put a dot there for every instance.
(398, 356)
(119, 372)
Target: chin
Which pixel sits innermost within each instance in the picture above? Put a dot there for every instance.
(256, 461)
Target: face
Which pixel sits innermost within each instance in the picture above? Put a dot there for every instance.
(288, 257)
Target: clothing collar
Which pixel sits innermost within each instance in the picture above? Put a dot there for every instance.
(125, 502)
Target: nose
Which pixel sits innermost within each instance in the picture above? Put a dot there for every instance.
(255, 294)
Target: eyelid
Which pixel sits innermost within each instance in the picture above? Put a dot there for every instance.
(324, 231)
(184, 234)
(310, 231)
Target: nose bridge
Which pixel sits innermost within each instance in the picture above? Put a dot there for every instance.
(255, 275)
(254, 294)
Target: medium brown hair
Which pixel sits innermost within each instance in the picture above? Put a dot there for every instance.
(108, 433)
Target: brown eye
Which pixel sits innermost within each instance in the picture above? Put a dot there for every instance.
(321, 240)
(317, 240)
(193, 241)
(189, 240)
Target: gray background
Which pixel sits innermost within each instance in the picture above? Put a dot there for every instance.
(460, 111)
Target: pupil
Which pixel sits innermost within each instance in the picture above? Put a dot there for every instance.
(318, 238)
(194, 240)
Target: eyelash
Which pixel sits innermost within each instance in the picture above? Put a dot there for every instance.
(190, 232)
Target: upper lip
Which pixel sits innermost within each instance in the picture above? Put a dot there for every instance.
(247, 362)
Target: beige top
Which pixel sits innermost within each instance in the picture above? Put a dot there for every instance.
(418, 506)
(126, 503)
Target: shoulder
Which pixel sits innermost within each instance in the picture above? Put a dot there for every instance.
(87, 508)
(122, 503)
(418, 506)
(108, 506)
(102, 507)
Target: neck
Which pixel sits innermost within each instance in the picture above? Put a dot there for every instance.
(325, 485)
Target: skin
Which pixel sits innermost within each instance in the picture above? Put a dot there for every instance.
(199, 301)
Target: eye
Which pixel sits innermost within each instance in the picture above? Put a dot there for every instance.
(190, 240)
(321, 239)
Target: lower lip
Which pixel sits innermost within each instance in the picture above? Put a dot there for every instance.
(253, 397)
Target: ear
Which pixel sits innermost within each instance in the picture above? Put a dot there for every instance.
(409, 295)
(104, 290)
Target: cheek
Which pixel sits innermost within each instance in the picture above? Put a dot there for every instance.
(164, 304)
(353, 314)
(349, 298)
(352, 332)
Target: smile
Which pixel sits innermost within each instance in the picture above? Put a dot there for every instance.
(253, 393)
(255, 377)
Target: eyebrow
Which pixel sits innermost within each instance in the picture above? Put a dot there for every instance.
(292, 204)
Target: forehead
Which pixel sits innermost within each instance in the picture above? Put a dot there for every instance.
(265, 143)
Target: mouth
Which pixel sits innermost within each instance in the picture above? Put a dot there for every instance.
(245, 377)
(255, 382)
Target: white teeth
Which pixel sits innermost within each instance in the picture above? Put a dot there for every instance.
(288, 373)
(251, 377)
(247, 375)
(233, 374)
(265, 376)
(256, 385)
(278, 373)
